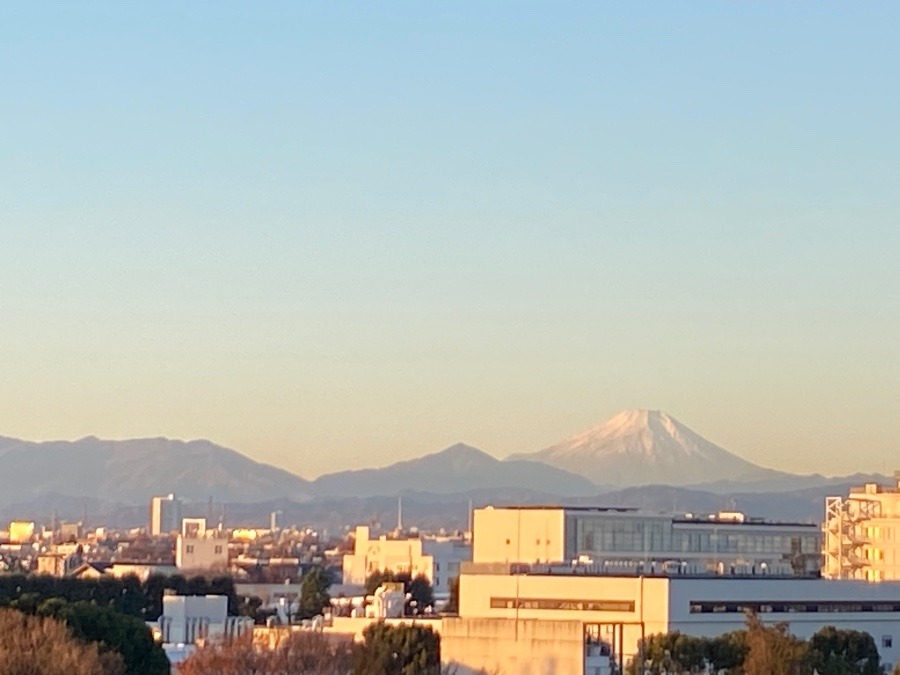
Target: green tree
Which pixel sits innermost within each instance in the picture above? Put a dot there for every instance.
(672, 652)
(398, 650)
(421, 594)
(112, 631)
(727, 652)
(314, 592)
(418, 589)
(376, 579)
(844, 652)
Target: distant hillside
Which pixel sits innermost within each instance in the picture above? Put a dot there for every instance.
(132, 471)
(458, 468)
(648, 447)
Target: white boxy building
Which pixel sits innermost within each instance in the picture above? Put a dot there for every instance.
(436, 558)
(189, 619)
(540, 597)
(620, 538)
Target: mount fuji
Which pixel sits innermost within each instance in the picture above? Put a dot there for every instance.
(648, 447)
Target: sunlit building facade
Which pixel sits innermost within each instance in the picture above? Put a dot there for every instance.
(862, 534)
(625, 538)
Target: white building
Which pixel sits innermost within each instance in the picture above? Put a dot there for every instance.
(586, 619)
(629, 538)
(436, 558)
(187, 619)
(165, 514)
(197, 548)
(862, 534)
(575, 590)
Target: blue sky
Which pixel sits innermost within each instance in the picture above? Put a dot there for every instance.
(331, 235)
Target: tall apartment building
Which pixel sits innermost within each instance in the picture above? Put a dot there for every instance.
(165, 514)
(862, 534)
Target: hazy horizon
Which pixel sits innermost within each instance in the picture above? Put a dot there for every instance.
(343, 236)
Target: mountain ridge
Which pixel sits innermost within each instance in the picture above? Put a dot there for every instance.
(455, 468)
(645, 447)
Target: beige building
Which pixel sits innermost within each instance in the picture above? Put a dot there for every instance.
(522, 619)
(628, 539)
(165, 514)
(862, 534)
(197, 548)
(436, 558)
(21, 531)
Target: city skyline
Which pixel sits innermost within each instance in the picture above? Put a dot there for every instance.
(344, 236)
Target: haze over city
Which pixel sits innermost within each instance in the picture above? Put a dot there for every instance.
(333, 237)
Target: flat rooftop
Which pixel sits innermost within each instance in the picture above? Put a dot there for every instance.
(721, 518)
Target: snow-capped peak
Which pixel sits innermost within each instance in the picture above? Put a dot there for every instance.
(636, 447)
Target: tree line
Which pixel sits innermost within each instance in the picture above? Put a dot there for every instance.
(385, 650)
(128, 595)
(760, 650)
(104, 615)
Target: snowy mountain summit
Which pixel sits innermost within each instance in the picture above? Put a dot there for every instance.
(646, 447)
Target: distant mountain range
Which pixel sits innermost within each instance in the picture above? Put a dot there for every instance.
(636, 458)
(459, 468)
(133, 471)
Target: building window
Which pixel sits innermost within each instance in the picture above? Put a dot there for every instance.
(218, 550)
(563, 605)
(189, 548)
(777, 606)
(887, 642)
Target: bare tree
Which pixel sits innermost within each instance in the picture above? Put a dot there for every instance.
(31, 645)
(274, 653)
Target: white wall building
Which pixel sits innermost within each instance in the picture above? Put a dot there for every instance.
(511, 610)
(862, 534)
(724, 542)
(436, 558)
(165, 514)
(186, 619)
(197, 548)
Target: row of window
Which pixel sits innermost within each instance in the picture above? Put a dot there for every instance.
(189, 548)
(610, 534)
(563, 605)
(831, 606)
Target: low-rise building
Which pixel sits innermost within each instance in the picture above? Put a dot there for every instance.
(519, 608)
(21, 531)
(197, 548)
(437, 558)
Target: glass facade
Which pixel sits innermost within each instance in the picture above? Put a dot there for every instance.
(596, 534)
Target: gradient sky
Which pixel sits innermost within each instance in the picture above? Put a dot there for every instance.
(341, 234)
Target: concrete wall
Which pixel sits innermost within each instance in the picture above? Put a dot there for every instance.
(504, 647)
(383, 554)
(639, 605)
(195, 553)
(518, 535)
